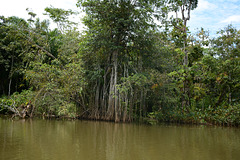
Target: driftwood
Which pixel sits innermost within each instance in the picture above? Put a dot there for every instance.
(22, 111)
(26, 110)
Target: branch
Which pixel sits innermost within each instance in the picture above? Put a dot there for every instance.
(182, 10)
(189, 10)
(30, 40)
(13, 109)
(44, 50)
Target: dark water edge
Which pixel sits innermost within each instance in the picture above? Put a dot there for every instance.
(142, 122)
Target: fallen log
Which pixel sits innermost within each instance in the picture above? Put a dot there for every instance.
(22, 111)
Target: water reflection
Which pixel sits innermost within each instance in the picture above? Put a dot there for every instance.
(61, 140)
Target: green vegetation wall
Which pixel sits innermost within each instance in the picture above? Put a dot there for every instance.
(122, 67)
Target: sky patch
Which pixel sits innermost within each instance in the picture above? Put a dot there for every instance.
(212, 15)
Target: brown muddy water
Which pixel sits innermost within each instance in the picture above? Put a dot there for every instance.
(89, 140)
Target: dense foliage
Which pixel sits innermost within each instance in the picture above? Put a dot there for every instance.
(123, 67)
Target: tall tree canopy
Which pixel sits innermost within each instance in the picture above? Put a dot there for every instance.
(122, 67)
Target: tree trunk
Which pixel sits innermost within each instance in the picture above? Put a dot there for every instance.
(184, 7)
(125, 109)
(110, 98)
(125, 97)
(96, 114)
(10, 81)
(115, 64)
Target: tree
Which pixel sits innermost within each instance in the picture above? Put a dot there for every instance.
(185, 7)
(117, 37)
(56, 73)
(181, 39)
(12, 46)
(226, 50)
(60, 17)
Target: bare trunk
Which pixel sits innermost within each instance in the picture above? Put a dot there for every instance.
(110, 98)
(103, 105)
(125, 97)
(185, 62)
(96, 115)
(103, 97)
(9, 87)
(125, 109)
(115, 57)
(185, 18)
(131, 106)
(10, 81)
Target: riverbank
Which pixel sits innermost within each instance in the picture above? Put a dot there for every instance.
(198, 118)
(21, 106)
(221, 116)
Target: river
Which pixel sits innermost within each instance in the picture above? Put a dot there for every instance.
(90, 140)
